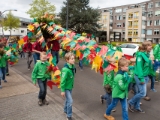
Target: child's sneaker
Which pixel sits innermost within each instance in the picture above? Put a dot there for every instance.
(114, 110)
(45, 102)
(101, 99)
(69, 118)
(140, 111)
(153, 90)
(0, 87)
(147, 98)
(130, 107)
(40, 103)
(7, 74)
(108, 117)
(5, 81)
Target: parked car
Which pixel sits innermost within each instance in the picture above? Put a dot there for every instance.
(129, 48)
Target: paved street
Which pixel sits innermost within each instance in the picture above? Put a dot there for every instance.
(88, 88)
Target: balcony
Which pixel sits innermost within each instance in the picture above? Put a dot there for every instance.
(143, 27)
(143, 18)
(130, 19)
(143, 35)
(110, 28)
(135, 17)
(135, 35)
(129, 27)
(135, 26)
(129, 35)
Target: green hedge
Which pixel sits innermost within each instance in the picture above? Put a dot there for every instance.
(114, 43)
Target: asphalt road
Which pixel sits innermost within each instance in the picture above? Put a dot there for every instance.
(87, 91)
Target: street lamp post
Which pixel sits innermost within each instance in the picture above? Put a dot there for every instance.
(1, 13)
(67, 16)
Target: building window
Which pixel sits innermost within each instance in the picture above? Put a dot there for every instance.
(156, 32)
(143, 31)
(119, 17)
(157, 22)
(118, 10)
(130, 33)
(124, 9)
(157, 4)
(150, 14)
(150, 5)
(124, 17)
(135, 32)
(130, 16)
(157, 13)
(22, 31)
(118, 25)
(149, 32)
(105, 11)
(143, 13)
(143, 22)
(149, 23)
(143, 6)
(123, 32)
(123, 24)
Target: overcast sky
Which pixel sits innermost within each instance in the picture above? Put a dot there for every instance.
(23, 5)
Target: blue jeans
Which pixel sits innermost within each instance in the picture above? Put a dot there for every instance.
(2, 73)
(142, 90)
(123, 104)
(152, 81)
(36, 56)
(133, 86)
(43, 89)
(7, 69)
(68, 103)
(156, 64)
(55, 54)
(80, 64)
(108, 98)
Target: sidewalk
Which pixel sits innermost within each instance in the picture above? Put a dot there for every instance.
(19, 101)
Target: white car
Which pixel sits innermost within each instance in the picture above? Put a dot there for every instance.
(129, 48)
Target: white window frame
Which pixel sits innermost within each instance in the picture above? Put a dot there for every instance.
(151, 31)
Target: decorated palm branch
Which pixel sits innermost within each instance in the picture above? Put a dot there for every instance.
(85, 48)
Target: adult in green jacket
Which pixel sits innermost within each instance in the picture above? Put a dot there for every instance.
(142, 70)
(156, 53)
(142, 67)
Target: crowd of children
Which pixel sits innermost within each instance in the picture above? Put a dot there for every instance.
(133, 75)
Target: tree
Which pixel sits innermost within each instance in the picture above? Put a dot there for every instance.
(39, 8)
(82, 17)
(11, 22)
(57, 21)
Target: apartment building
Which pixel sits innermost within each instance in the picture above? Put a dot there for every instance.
(134, 22)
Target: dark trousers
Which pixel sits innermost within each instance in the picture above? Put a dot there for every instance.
(29, 59)
(43, 89)
(2, 73)
(36, 56)
(7, 69)
(55, 54)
